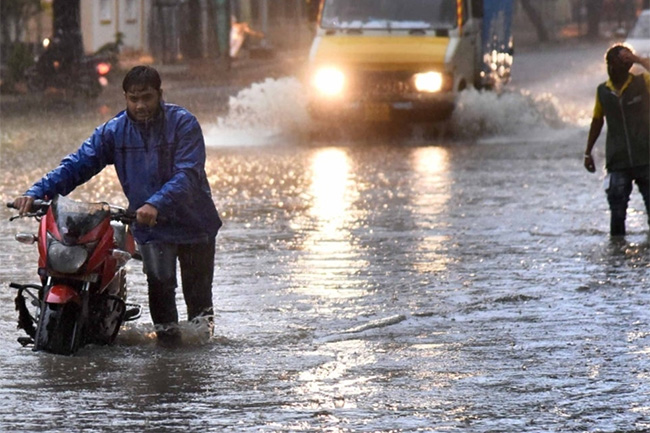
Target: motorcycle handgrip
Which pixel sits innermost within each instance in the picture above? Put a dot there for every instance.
(128, 217)
(131, 217)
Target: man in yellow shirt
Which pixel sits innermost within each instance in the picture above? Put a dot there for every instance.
(624, 102)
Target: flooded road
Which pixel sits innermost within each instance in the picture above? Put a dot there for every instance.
(457, 284)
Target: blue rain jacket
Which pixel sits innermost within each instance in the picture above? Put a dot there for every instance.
(160, 162)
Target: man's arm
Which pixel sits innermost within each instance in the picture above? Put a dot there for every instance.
(594, 132)
(189, 163)
(643, 61)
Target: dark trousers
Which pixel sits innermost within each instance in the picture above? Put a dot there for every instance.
(618, 195)
(197, 269)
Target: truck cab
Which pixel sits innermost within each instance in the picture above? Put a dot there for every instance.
(406, 60)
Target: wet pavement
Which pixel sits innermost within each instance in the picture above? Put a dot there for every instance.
(464, 283)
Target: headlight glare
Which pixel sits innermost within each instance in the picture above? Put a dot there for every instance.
(329, 81)
(429, 82)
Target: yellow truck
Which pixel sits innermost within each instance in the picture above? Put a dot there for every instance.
(405, 60)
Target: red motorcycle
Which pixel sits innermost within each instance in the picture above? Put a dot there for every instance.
(55, 69)
(83, 249)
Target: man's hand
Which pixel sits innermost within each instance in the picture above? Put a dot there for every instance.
(147, 215)
(627, 56)
(23, 204)
(589, 164)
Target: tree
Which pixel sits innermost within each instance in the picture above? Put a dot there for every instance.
(16, 55)
(14, 15)
(593, 18)
(66, 27)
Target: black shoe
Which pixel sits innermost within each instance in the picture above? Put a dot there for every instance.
(169, 337)
(203, 326)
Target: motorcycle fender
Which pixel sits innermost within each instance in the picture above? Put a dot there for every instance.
(62, 294)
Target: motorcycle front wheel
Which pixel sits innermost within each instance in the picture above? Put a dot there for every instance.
(59, 329)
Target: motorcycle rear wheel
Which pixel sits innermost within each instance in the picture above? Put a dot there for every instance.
(59, 329)
(35, 82)
(88, 87)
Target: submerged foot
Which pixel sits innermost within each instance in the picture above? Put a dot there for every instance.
(169, 336)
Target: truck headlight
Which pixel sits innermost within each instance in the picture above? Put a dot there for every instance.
(329, 81)
(428, 82)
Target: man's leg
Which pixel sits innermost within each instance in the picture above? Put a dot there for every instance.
(197, 271)
(160, 267)
(618, 195)
(642, 179)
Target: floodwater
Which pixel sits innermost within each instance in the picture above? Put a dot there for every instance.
(462, 283)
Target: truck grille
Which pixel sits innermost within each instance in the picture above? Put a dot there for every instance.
(388, 85)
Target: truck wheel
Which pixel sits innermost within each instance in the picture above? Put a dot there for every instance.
(58, 329)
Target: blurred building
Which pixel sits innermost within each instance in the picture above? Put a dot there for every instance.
(181, 30)
(103, 20)
(570, 18)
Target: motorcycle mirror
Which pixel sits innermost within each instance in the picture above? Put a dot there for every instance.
(26, 238)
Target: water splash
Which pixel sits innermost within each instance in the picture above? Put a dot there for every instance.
(275, 111)
(510, 113)
(268, 112)
(195, 333)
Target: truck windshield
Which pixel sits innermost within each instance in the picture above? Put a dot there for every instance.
(389, 14)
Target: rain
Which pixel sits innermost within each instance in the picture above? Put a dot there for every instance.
(371, 280)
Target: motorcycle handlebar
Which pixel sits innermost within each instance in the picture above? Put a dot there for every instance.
(123, 216)
(37, 205)
(129, 217)
(117, 213)
(38, 209)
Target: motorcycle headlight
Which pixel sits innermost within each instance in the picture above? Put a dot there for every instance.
(428, 82)
(329, 81)
(66, 259)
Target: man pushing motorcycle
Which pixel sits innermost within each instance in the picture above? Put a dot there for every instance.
(158, 152)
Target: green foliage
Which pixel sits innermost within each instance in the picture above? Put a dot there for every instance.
(19, 59)
(19, 8)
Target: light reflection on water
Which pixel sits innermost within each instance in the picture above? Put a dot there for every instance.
(330, 385)
(307, 245)
(432, 182)
(329, 261)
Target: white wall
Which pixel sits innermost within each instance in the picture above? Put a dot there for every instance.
(102, 19)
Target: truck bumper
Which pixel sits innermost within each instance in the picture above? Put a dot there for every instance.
(405, 111)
